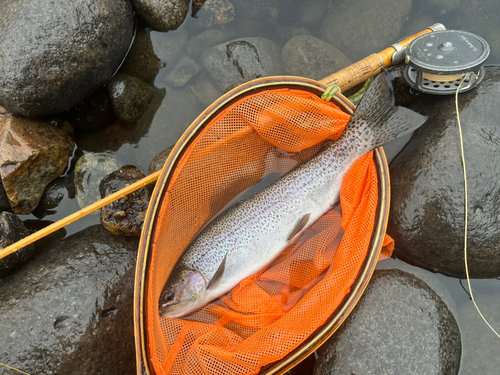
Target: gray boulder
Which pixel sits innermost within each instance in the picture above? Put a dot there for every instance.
(427, 205)
(162, 15)
(373, 32)
(54, 54)
(307, 56)
(399, 326)
(69, 311)
(242, 60)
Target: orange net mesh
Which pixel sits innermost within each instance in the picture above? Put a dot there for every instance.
(269, 314)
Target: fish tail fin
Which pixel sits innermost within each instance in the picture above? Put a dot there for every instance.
(376, 121)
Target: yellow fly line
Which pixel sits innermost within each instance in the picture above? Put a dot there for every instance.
(466, 211)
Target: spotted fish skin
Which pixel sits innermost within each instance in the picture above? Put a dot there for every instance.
(252, 233)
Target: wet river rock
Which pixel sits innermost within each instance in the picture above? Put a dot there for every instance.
(399, 326)
(32, 154)
(69, 311)
(162, 15)
(427, 206)
(242, 60)
(126, 215)
(130, 96)
(53, 54)
(12, 230)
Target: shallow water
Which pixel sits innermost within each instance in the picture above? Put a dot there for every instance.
(176, 108)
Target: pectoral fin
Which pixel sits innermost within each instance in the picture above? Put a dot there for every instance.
(218, 274)
(300, 225)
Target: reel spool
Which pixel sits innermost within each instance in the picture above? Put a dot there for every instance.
(437, 62)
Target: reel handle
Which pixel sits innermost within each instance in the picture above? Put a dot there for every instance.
(373, 64)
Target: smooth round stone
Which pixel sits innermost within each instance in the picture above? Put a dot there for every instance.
(427, 186)
(54, 54)
(130, 96)
(399, 326)
(159, 160)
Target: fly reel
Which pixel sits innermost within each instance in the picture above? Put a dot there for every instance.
(437, 62)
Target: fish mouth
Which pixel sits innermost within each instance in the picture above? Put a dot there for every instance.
(177, 310)
(183, 297)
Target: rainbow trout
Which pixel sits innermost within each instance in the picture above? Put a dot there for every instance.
(252, 233)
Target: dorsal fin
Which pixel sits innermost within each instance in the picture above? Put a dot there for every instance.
(300, 225)
(218, 274)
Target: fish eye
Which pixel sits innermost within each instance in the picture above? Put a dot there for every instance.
(168, 296)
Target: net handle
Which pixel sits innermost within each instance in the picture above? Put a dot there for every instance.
(345, 79)
(372, 65)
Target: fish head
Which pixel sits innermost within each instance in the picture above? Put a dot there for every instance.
(184, 295)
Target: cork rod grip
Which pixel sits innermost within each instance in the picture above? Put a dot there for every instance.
(356, 73)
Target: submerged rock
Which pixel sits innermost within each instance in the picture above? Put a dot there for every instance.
(129, 95)
(141, 61)
(205, 90)
(215, 13)
(69, 311)
(399, 326)
(242, 60)
(159, 160)
(185, 69)
(126, 215)
(55, 192)
(32, 154)
(90, 170)
(12, 230)
(167, 46)
(162, 15)
(53, 54)
(427, 206)
(208, 38)
(307, 56)
(372, 35)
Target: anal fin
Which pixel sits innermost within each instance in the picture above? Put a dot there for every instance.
(218, 274)
(300, 225)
